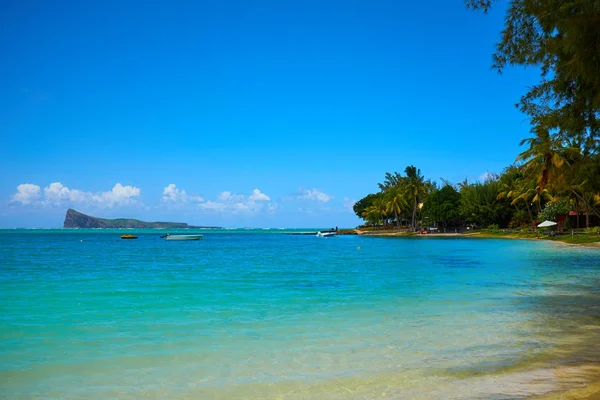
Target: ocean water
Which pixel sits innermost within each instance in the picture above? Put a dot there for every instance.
(262, 314)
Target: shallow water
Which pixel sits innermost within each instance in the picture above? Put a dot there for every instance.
(263, 314)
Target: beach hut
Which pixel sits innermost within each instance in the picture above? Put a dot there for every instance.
(548, 224)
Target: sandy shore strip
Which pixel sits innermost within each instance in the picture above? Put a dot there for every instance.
(469, 235)
(590, 392)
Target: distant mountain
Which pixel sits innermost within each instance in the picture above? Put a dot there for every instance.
(75, 219)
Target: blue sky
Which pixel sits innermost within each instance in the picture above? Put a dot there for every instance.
(230, 113)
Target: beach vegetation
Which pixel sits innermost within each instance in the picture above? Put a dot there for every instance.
(415, 188)
(361, 205)
(494, 228)
(552, 210)
(557, 174)
(442, 207)
(395, 203)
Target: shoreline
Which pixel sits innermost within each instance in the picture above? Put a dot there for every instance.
(588, 392)
(480, 235)
(591, 390)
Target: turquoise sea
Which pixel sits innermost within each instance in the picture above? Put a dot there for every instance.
(262, 314)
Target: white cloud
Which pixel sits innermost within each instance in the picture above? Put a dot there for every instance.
(212, 206)
(229, 197)
(172, 194)
(27, 193)
(225, 196)
(485, 176)
(314, 194)
(238, 203)
(242, 206)
(119, 195)
(349, 204)
(57, 194)
(258, 196)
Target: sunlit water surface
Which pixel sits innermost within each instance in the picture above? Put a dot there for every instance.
(264, 314)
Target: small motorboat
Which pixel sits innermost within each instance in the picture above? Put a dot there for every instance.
(128, 236)
(182, 237)
(327, 234)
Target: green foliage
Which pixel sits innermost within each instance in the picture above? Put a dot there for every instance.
(484, 5)
(560, 37)
(479, 203)
(442, 206)
(560, 165)
(493, 228)
(398, 199)
(415, 188)
(361, 205)
(391, 181)
(553, 210)
(395, 203)
(376, 213)
(519, 219)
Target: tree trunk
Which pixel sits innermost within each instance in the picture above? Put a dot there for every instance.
(587, 219)
(414, 216)
(397, 220)
(586, 203)
(587, 215)
(529, 211)
(577, 211)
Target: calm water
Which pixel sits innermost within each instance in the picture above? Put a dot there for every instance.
(263, 314)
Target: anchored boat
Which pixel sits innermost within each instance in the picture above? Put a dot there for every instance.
(182, 237)
(128, 236)
(331, 233)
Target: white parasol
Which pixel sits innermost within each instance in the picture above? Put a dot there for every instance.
(546, 224)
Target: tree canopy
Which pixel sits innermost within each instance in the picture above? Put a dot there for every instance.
(442, 206)
(562, 38)
(559, 167)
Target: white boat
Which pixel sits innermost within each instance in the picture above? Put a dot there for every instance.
(183, 237)
(327, 234)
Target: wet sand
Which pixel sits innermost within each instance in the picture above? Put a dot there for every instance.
(468, 235)
(590, 392)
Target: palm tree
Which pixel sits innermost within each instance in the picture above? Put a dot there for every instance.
(390, 181)
(376, 213)
(522, 193)
(415, 187)
(512, 188)
(580, 182)
(542, 161)
(395, 203)
(579, 194)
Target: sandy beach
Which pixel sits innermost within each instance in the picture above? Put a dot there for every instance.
(480, 235)
(589, 392)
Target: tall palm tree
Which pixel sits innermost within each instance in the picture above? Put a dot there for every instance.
(395, 203)
(513, 188)
(415, 187)
(390, 181)
(542, 161)
(522, 193)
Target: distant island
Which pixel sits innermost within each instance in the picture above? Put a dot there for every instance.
(75, 219)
